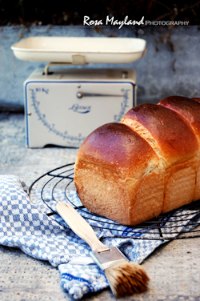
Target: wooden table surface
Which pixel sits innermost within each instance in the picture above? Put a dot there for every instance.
(174, 269)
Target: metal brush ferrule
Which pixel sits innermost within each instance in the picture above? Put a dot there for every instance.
(108, 258)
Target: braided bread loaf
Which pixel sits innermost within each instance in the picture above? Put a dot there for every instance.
(147, 164)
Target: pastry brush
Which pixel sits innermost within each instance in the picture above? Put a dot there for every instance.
(124, 276)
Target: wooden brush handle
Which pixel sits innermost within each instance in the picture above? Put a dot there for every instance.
(79, 226)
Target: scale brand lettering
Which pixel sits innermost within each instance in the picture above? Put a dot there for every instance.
(80, 108)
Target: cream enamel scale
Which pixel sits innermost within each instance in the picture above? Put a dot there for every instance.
(63, 105)
(62, 109)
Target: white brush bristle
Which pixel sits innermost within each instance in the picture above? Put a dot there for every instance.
(127, 278)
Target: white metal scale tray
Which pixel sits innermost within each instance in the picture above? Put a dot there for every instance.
(79, 50)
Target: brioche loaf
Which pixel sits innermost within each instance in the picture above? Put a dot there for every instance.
(147, 164)
(190, 112)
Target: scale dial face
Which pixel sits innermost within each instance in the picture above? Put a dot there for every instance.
(64, 113)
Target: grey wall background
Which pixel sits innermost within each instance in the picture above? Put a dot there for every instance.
(171, 65)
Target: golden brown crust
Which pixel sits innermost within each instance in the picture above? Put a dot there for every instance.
(110, 165)
(116, 146)
(173, 136)
(196, 99)
(187, 108)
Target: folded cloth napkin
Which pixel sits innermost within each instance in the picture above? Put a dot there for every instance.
(25, 225)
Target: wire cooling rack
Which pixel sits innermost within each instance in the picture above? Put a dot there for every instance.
(178, 224)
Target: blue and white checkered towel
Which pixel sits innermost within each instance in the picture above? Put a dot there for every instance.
(25, 225)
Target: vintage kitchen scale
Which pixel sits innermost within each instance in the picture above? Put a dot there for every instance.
(68, 98)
